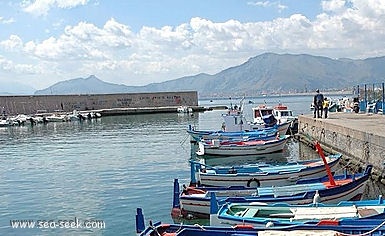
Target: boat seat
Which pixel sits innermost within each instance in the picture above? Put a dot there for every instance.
(324, 212)
(365, 212)
(250, 213)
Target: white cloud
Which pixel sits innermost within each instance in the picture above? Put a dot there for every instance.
(42, 7)
(266, 4)
(333, 5)
(6, 21)
(13, 43)
(116, 54)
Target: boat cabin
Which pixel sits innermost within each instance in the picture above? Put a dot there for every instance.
(260, 112)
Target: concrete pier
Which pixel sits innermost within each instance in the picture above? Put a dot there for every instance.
(359, 137)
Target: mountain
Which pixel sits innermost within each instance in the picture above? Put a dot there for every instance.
(266, 73)
(90, 85)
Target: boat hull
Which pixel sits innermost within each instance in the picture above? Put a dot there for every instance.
(284, 215)
(264, 147)
(264, 178)
(199, 204)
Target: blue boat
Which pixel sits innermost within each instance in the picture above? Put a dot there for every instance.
(369, 212)
(260, 175)
(261, 134)
(195, 201)
(374, 227)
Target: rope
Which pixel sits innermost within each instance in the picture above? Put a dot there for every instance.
(200, 226)
(367, 233)
(184, 140)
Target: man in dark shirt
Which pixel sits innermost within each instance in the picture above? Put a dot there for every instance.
(318, 101)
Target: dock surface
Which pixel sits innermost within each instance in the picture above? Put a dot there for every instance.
(369, 123)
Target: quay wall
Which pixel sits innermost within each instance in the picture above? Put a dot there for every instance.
(359, 142)
(12, 105)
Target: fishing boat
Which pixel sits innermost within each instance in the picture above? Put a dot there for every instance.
(195, 201)
(374, 227)
(263, 134)
(242, 147)
(283, 114)
(262, 175)
(283, 214)
(235, 121)
(265, 115)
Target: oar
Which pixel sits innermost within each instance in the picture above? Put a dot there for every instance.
(328, 171)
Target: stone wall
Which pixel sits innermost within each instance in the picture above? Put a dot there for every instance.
(12, 105)
(359, 146)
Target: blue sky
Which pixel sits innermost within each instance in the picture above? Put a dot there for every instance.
(137, 42)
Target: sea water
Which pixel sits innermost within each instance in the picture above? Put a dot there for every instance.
(88, 178)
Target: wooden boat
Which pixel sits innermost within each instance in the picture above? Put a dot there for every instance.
(262, 134)
(260, 175)
(282, 214)
(276, 158)
(196, 200)
(374, 227)
(243, 147)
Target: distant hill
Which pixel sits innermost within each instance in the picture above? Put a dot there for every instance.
(90, 85)
(268, 73)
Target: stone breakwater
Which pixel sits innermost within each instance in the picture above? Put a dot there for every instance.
(359, 137)
(12, 105)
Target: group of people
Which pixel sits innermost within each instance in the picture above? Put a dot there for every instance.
(321, 105)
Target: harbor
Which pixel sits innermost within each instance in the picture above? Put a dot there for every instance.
(107, 167)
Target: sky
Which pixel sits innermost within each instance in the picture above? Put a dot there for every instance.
(137, 42)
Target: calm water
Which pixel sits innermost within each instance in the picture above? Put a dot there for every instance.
(105, 169)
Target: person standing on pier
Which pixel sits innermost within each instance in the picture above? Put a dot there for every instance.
(318, 102)
(325, 106)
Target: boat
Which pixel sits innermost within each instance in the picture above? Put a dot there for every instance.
(184, 109)
(265, 134)
(261, 175)
(195, 201)
(374, 227)
(264, 115)
(235, 121)
(272, 158)
(5, 122)
(56, 117)
(283, 114)
(242, 147)
(369, 212)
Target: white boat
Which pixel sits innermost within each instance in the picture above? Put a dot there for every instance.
(239, 148)
(4, 123)
(260, 175)
(285, 115)
(56, 118)
(184, 109)
(265, 115)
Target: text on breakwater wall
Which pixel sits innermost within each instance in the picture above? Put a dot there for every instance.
(58, 224)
